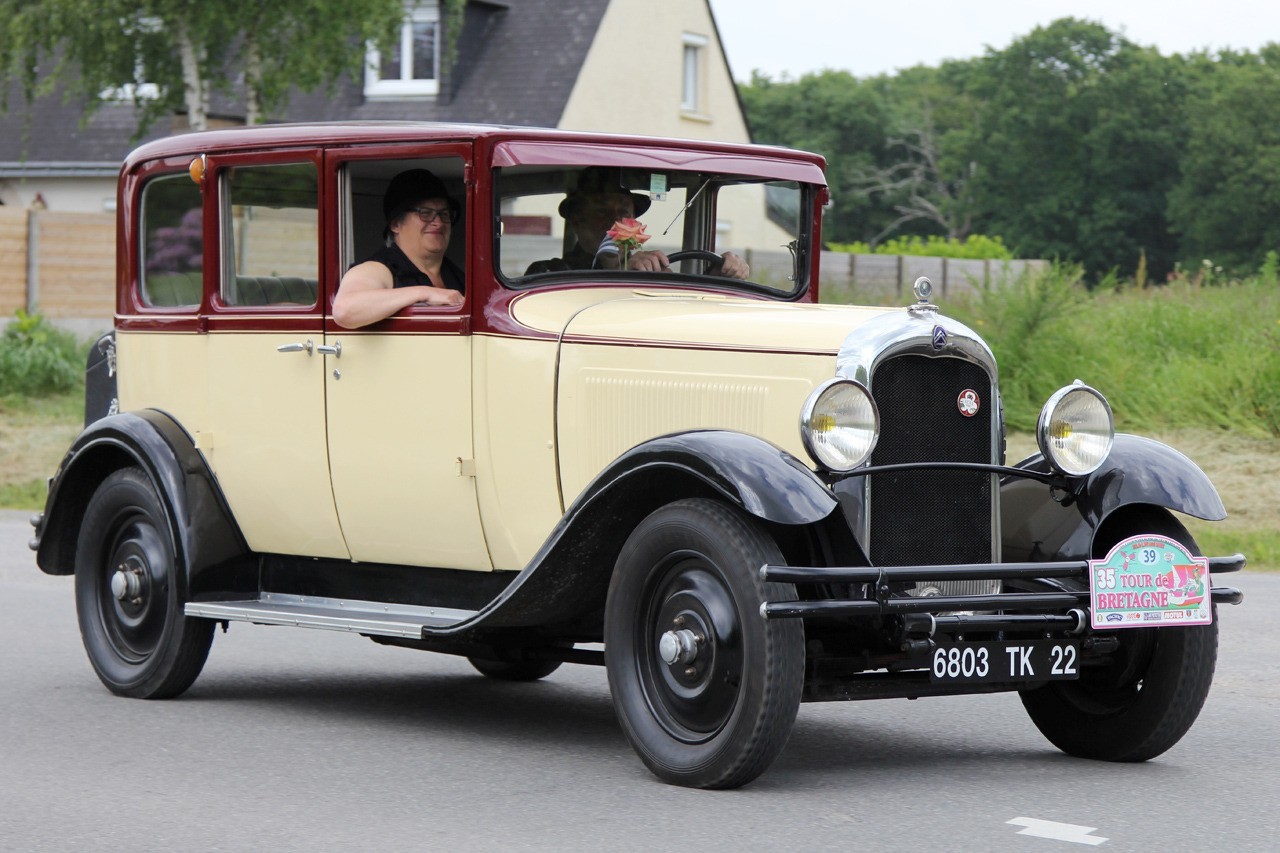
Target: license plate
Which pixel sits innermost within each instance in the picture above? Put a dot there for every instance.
(1008, 660)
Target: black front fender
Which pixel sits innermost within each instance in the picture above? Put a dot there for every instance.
(567, 580)
(760, 477)
(1138, 471)
(208, 541)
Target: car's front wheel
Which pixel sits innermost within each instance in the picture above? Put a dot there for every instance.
(130, 593)
(1141, 701)
(705, 688)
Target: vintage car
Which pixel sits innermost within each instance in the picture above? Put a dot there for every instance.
(733, 497)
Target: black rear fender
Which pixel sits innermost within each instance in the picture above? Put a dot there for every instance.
(208, 542)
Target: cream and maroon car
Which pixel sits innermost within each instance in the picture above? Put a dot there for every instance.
(734, 498)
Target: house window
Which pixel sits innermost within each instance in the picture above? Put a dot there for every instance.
(691, 91)
(411, 67)
(139, 29)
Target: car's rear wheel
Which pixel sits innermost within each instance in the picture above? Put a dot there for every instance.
(705, 688)
(130, 593)
(514, 670)
(1141, 702)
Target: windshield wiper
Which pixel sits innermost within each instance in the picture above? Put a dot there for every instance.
(686, 207)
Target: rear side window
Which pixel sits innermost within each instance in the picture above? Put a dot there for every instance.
(272, 246)
(172, 241)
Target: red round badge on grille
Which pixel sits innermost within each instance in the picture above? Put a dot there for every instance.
(968, 402)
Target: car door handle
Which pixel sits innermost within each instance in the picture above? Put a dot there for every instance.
(308, 346)
(335, 350)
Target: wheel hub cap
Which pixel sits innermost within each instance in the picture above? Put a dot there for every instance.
(126, 584)
(678, 647)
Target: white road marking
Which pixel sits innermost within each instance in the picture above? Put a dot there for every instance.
(1057, 831)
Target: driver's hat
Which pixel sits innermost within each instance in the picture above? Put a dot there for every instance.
(601, 180)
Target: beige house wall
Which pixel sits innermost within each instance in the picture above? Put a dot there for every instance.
(632, 79)
(84, 194)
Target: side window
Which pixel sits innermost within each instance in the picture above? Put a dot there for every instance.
(271, 252)
(172, 274)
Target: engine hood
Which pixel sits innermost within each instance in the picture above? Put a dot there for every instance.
(691, 318)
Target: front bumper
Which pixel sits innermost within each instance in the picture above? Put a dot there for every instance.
(1067, 593)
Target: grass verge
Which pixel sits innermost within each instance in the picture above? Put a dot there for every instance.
(34, 434)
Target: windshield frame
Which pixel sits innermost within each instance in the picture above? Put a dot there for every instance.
(695, 226)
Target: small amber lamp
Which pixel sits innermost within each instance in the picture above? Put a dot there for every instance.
(196, 169)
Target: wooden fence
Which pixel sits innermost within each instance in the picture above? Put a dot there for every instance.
(60, 264)
(887, 279)
(63, 265)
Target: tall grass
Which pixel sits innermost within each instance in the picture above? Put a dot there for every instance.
(1180, 355)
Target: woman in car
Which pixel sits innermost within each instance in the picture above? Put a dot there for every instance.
(411, 267)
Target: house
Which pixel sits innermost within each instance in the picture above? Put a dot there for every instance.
(630, 66)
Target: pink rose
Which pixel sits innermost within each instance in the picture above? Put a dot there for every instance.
(628, 232)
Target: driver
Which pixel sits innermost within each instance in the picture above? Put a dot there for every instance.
(590, 210)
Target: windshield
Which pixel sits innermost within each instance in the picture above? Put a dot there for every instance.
(555, 223)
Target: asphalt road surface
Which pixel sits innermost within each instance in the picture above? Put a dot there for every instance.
(312, 740)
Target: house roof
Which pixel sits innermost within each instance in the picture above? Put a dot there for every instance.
(518, 61)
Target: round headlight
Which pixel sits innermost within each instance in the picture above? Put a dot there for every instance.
(840, 424)
(1076, 430)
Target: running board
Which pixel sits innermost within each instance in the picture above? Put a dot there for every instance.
(333, 614)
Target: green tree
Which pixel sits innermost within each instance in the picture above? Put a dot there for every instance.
(186, 49)
(925, 173)
(1227, 203)
(839, 117)
(1079, 136)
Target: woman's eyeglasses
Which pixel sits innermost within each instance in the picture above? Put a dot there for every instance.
(431, 214)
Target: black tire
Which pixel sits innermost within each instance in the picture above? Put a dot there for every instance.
(1142, 702)
(515, 670)
(719, 718)
(139, 642)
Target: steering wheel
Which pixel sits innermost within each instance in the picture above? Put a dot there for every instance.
(713, 260)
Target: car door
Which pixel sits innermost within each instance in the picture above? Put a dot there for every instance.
(266, 387)
(398, 392)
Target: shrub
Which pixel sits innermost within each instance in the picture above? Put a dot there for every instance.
(975, 247)
(38, 359)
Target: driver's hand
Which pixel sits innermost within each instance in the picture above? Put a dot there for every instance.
(734, 267)
(649, 261)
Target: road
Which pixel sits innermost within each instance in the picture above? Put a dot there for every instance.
(310, 740)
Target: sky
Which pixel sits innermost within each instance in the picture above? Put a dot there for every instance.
(795, 37)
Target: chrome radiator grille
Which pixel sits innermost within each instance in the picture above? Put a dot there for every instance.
(931, 516)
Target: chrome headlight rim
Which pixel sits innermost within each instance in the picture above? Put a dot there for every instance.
(1061, 461)
(813, 447)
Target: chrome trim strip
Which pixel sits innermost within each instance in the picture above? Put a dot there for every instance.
(358, 617)
(909, 331)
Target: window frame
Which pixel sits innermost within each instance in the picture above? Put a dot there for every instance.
(143, 250)
(692, 73)
(377, 87)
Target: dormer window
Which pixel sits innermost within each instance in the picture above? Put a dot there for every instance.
(410, 69)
